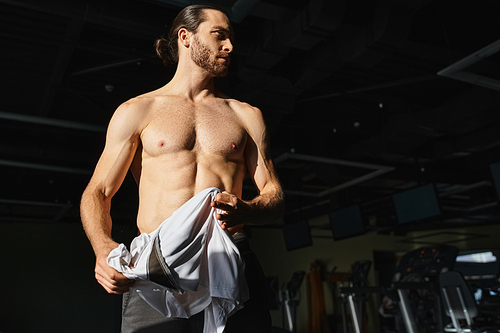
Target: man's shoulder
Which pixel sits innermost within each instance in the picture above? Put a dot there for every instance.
(243, 108)
(142, 104)
(250, 116)
(134, 111)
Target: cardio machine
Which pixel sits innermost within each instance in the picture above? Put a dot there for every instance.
(356, 294)
(415, 288)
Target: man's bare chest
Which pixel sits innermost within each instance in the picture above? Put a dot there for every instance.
(208, 130)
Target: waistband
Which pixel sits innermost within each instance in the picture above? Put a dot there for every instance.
(242, 243)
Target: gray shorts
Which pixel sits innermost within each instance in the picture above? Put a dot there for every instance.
(138, 316)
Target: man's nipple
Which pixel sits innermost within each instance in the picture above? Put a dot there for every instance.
(234, 146)
(161, 143)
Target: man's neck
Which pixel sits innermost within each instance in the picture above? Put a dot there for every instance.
(192, 81)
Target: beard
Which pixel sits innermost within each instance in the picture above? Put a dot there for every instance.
(206, 59)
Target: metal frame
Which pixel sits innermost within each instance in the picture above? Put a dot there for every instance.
(455, 71)
(378, 170)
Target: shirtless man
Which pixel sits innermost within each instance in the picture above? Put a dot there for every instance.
(180, 139)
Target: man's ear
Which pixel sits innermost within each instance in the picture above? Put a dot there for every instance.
(184, 37)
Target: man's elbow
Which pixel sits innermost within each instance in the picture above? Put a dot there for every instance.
(277, 204)
(91, 195)
(280, 207)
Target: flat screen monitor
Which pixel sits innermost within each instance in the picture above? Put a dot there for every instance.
(495, 175)
(416, 204)
(297, 235)
(347, 222)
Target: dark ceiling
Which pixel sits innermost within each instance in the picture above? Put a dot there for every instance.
(350, 92)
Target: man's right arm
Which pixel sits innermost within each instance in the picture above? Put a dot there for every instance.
(122, 140)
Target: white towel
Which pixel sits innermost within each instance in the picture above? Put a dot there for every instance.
(204, 265)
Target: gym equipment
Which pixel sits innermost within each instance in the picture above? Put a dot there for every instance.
(416, 285)
(356, 294)
(289, 301)
(459, 304)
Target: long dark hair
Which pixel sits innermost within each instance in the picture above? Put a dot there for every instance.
(189, 18)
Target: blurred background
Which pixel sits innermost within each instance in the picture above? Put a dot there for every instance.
(384, 124)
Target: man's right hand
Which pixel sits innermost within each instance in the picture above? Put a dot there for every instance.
(113, 281)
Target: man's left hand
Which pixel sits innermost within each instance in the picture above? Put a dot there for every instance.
(234, 210)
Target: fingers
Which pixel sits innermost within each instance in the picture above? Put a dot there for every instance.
(224, 217)
(113, 286)
(224, 200)
(225, 203)
(114, 283)
(111, 280)
(232, 210)
(222, 206)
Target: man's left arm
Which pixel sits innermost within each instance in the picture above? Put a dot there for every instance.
(268, 205)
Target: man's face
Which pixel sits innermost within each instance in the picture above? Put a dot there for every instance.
(211, 44)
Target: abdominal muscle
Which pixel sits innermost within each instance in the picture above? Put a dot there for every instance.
(167, 182)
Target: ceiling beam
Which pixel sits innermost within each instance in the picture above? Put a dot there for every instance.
(108, 66)
(105, 13)
(45, 167)
(61, 64)
(52, 122)
(378, 170)
(456, 70)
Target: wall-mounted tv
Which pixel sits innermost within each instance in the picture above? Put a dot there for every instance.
(416, 204)
(347, 222)
(297, 235)
(495, 175)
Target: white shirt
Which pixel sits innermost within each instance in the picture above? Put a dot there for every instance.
(202, 258)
